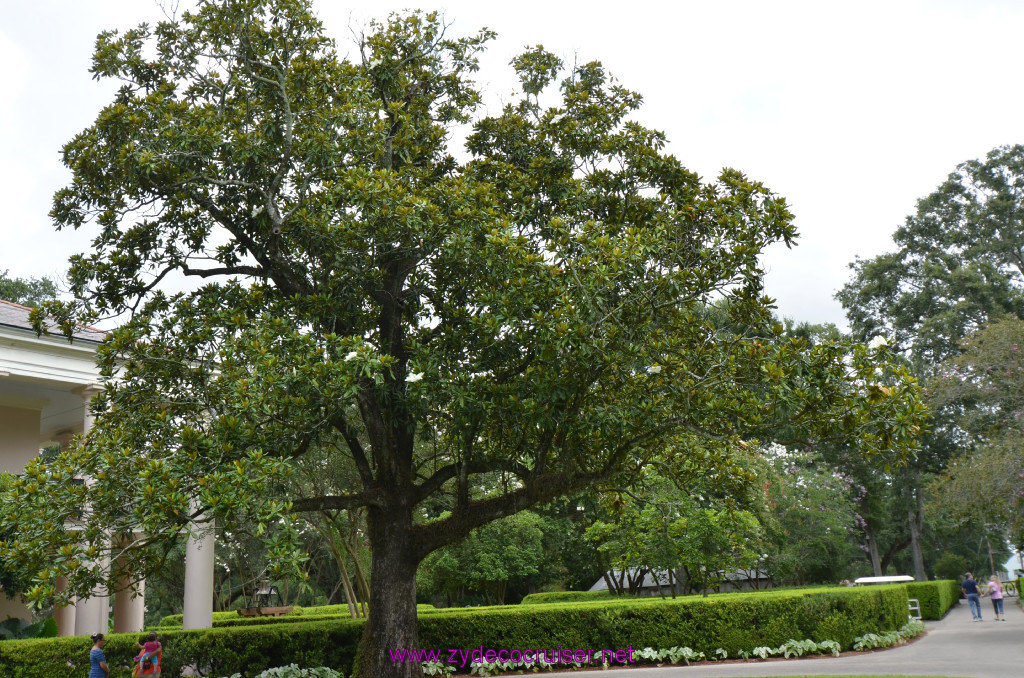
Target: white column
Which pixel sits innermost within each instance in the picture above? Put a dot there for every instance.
(198, 612)
(129, 607)
(92, 614)
(64, 615)
(129, 599)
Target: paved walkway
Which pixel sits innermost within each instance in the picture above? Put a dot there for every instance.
(954, 646)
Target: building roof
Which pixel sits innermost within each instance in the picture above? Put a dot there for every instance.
(649, 581)
(16, 316)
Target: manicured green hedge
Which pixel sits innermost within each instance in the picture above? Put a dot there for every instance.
(936, 597)
(564, 597)
(218, 652)
(734, 622)
(313, 611)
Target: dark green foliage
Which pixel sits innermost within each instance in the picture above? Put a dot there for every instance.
(13, 627)
(951, 566)
(936, 597)
(502, 554)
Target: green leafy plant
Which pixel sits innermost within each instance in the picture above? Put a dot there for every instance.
(797, 648)
(15, 628)
(293, 671)
(437, 669)
(830, 646)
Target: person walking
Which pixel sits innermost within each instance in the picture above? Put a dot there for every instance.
(98, 660)
(973, 593)
(995, 592)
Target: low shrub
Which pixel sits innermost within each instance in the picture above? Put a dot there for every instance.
(936, 597)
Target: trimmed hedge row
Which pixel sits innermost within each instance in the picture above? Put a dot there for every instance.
(737, 622)
(216, 652)
(733, 622)
(318, 611)
(340, 612)
(565, 597)
(936, 597)
(604, 596)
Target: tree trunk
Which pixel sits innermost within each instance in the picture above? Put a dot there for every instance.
(391, 622)
(350, 595)
(876, 561)
(915, 521)
(607, 574)
(353, 550)
(894, 548)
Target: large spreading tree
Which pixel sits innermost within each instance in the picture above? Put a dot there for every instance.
(487, 327)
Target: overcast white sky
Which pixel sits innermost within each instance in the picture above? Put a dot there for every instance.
(852, 111)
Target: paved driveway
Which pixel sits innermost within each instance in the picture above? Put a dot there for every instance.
(954, 646)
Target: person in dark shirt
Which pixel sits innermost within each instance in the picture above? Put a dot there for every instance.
(973, 593)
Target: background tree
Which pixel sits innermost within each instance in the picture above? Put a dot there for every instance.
(685, 532)
(959, 263)
(984, 385)
(810, 519)
(488, 561)
(535, 312)
(27, 291)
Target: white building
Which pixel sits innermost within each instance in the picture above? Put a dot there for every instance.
(46, 383)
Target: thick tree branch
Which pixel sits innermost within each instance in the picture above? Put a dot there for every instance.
(253, 271)
(436, 480)
(336, 503)
(351, 436)
(432, 536)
